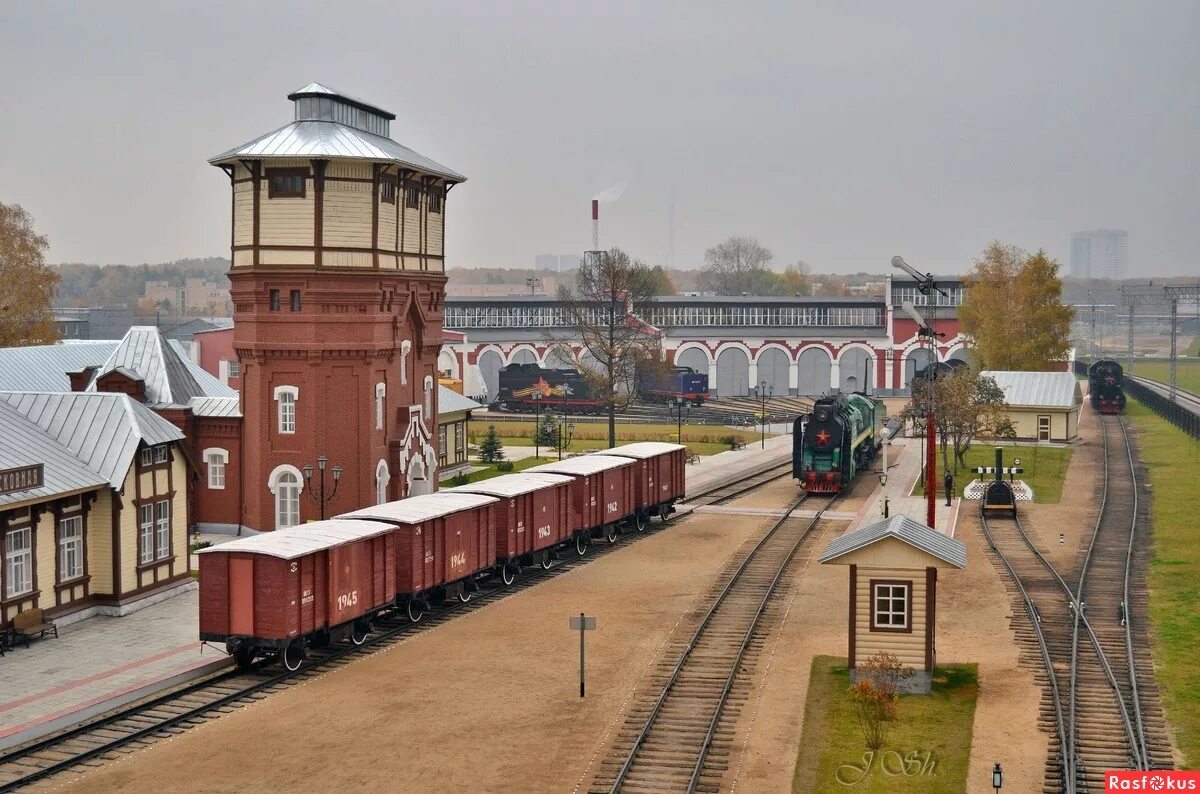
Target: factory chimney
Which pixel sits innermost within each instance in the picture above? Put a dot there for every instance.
(595, 224)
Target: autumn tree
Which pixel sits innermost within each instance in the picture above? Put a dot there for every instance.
(967, 405)
(601, 332)
(738, 266)
(1013, 310)
(26, 283)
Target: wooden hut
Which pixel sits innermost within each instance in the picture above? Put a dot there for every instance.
(893, 591)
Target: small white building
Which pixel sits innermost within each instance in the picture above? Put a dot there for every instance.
(1043, 406)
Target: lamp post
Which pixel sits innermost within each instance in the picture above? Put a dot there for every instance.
(764, 391)
(320, 496)
(997, 776)
(567, 431)
(681, 408)
(884, 435)
(537, 424)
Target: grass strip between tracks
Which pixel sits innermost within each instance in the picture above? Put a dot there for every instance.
(1172, 460)
(1187, 371)
(1045, 469)
(833, 756)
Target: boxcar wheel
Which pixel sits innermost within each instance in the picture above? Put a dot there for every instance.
(664, 512)
(581, 544)
(415, 611)
(639, 521)
(547, 561)
(464, 595)
(359, 632)
(508, 574)
(293, 655)
(610, 533)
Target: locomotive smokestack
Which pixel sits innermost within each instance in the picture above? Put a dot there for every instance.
(999, 463)
(595, 224)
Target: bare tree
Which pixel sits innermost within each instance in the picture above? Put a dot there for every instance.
(736, 266)
(26, 282)
(601, 311)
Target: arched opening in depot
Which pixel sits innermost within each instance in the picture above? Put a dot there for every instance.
(915, 360)
(448, 364)
(693, 357)
(419, 482)
(560, 357)
(854, 370)
(773, 368)
(733, 373)
(813, 372)
(523, 355)
(962, 354)
(490, 364)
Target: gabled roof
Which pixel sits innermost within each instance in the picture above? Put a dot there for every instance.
(904, 529)
(1041, 389)
(298, 541)
(416, 509)
(45, 367)
(25, 444)
(308, 139)
(450, 401)
(101, 429)
(146, 355)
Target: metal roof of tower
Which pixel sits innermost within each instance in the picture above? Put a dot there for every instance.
(317, 89)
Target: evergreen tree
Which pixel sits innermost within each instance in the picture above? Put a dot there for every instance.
(491, 450)
(547, 431)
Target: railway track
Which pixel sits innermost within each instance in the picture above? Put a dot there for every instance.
(730, 491)
(678, 733)
(108, 736)
(1089, 642)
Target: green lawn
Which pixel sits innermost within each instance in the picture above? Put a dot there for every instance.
(832, 752)
(489, 470)
(701, 439)
(1045, 469)
(1187, 371)
(1193, 349)
(1171, 460)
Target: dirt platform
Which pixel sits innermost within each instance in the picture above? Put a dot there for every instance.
(488, 702)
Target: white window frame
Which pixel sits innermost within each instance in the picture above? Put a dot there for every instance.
(429, 417)
(18, 562)
(380, 404)
(286, 398)
(146, 533)
(382, 478)
(146, 456)
(161, 453)
(889, 611)
(235, 368)
(162, 529)
(215, 461)
(70, 548)
(277, 486)
(405, 348)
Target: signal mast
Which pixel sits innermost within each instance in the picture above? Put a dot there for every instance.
(926, 285)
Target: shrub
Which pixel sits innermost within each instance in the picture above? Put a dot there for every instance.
(504, 465)
(459, 479)
(875, 696)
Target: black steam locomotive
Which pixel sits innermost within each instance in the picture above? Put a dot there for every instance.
(1106, 384)
(567, 390)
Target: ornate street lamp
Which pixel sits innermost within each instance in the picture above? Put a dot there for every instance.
(764, 391)
(537, 423)
(682, 409)
(567, 432)
(320, 496)
(997, 776)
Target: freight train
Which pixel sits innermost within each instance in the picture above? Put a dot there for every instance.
(277, 594)
(567, 389)
(1106, 384)
(831, 445)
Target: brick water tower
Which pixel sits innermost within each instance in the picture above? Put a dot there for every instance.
(337, 283)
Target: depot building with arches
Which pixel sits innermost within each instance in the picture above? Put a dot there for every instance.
(800, 345)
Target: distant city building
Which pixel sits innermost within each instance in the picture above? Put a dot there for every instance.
(545, 262)
(568, 262)
(1103, 253)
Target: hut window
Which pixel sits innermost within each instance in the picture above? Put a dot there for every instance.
(387, 189)
(435, 200)
(412, 196)
(286, 182)
(890, 604)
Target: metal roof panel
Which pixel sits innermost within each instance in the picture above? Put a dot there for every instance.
(641, 450)
(301, 540)
(582, 465)
(903, 528)
(416, 509)
(511, 484)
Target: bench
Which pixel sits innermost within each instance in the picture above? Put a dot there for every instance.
(32, 623)
(738, 444)
(690, 457)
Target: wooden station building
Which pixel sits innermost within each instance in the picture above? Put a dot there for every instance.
(893, 591)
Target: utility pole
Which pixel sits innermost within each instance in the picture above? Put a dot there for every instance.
(1134, 295)
(1176, 292)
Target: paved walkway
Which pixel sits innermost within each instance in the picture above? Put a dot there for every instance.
(904, 468)
(731, 464)
(95, 662)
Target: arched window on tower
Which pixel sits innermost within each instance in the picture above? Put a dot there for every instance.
(286, 483)
(405, 348)
(382, 478)
(430, 419)
(380, 394)
(285, 401)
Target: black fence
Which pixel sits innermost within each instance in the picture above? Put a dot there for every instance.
(1176, 413)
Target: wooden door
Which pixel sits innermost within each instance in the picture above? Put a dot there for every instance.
(1043, 428)
(241, 596)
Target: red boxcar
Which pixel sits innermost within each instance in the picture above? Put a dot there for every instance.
(658, 478)
(603, 490)
(279, 592)
(444, 543)
(533, 516)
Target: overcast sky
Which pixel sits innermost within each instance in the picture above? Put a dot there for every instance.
(836, 133)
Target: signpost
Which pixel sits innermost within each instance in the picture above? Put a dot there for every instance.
(582, 624)
(22, 478)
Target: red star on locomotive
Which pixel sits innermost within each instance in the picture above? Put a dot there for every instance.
(822, 438)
